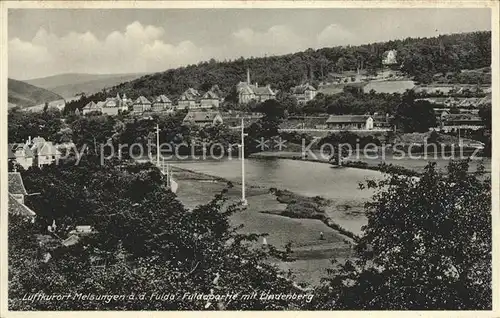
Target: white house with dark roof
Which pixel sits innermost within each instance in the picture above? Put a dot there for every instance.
(141, 105)
(304, 93)
(44, 152)
(91, 107)
(22, 154)
(114, 105)
(190, 98)
(162, 103)
(203, 118)
(209, 100)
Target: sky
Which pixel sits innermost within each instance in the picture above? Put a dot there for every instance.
(45, 42)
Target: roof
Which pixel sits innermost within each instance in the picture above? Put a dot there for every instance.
(201, 116)
(347, 119)
(71, 240)
(162, 99)
(90, 105)
(142, 100)
(262, 90)
(16, 185)
(10, 154)
(190, 94)
(27, 151)
(45, 149)
(300, 89)
(109, 100)
(463, 117)
(17, 208)
(210, 95)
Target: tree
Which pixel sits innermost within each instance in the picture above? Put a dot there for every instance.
(414, 115)
(427, 245)
(133, 211)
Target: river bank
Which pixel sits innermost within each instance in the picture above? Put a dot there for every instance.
(372, 162)
(313, 242)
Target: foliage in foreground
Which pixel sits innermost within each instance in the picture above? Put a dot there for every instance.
(427, 245)
(149, 242)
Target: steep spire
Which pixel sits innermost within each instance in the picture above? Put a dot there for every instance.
(248, 76)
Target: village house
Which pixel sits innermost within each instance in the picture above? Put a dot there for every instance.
(350, 122)
(162, 103)
(44, 152)
(21, 154)
(203, 118)
(114, 105)
(111, 106)
(17, 192)
(91, 107)
(248, 92)
(141, 105)
(209, 100)
(453, 122)
(190, 98)
(304, 93)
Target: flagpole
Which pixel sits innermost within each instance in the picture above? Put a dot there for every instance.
(244, 201)
(157, 144)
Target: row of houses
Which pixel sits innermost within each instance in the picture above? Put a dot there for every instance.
(189, 99)
(34, 152)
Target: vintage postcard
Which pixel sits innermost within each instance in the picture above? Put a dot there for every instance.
(241, 156)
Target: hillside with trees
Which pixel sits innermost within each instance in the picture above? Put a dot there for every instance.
(23, 95)
(419, 58)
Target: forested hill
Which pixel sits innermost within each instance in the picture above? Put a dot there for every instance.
(419, 57)
(22, 94)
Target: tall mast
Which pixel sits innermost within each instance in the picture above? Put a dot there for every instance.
(157, 144)
(243, 196)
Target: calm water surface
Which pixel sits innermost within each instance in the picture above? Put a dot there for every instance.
(306, 178)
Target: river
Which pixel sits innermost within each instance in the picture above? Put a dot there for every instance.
(306, 178)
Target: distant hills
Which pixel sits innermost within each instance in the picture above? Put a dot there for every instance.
(70, 84)
(417, 58)
(24, 95)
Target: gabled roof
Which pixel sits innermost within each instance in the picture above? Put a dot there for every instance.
(16, 185)
(263, 90)
(17, 208)
(10, 154)
(108, 101)
(210, 95)
(27, 151)
(201, 116)
(45, 149)
(90, 105)
(347, 119)
(162, 99)
(244, 88)
(190, 94)
(300, 89)
(142, 100)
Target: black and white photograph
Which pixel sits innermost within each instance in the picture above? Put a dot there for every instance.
(248, 157)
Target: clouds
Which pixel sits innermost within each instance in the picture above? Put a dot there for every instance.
(138, 48)
(334, 35)
(145, 48)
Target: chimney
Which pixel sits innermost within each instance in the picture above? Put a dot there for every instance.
(248, 76)
(29, 140)
(256, 84)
